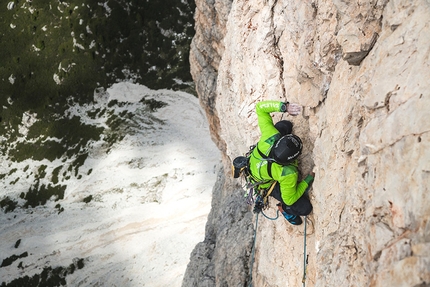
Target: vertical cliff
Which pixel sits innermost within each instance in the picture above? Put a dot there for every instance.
(361, 70)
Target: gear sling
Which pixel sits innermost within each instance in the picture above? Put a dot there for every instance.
(253, 193)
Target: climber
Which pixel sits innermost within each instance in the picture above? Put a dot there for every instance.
(274, 161)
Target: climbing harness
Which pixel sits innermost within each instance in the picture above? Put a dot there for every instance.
(305, 258)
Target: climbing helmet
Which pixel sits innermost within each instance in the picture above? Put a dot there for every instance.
(287, 149)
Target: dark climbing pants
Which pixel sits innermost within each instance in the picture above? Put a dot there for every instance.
(302, 206)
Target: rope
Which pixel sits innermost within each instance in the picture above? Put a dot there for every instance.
(253, 252)
(253, 244)
(274, 218)
(305, 258)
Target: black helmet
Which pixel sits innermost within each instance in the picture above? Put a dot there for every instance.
(286, 149)
(239, 164)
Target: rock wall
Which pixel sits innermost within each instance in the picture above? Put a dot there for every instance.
(361, 71)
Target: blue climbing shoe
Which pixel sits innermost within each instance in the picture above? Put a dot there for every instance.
(293, 219)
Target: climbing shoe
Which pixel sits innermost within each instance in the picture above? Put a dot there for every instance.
(293, 219)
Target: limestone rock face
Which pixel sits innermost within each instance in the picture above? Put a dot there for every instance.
(206, 50)
(362, 73)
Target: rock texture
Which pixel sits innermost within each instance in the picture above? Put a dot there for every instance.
(362, 72)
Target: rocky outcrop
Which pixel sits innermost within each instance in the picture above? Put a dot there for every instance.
(222, 258)
(205, 55)
(361, 70)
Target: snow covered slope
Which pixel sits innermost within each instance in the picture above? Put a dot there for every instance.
(130, 214)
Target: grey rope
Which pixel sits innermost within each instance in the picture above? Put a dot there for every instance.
(253, 244)
(305, 258)
(274, 218)
(253, 252)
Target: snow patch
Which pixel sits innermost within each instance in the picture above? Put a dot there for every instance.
(57, 79)
(92, 44)
(10, 5)
(28, 119)
(108, 9)
(12, 79)
(151, 194)
(75, 43)
(35, 48)
(88, 29)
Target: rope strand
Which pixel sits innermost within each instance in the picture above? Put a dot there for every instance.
(253, 252)
(305, 258)
(274, 218)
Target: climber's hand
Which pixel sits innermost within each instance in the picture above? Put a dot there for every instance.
(294, 109)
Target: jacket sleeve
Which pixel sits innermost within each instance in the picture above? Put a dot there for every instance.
(265, 122)
(291, 191)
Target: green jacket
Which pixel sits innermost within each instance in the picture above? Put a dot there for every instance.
(287, 175)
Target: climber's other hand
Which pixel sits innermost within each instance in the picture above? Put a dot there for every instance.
(294, 109)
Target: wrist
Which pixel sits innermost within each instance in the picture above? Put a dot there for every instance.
(284, 107)
(309, 179)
